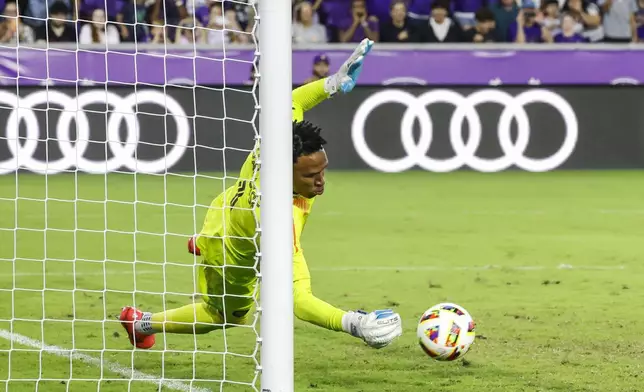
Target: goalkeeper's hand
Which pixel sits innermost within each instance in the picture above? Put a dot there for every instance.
(345, 79)
(377, 329)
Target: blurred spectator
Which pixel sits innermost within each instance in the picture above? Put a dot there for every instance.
(86, 8)
(587, 16)
(215, 34)
(568, 34)
(57, 29)
(158, 32)
(98, 31)
(619, 20)
(505, 13)
(527, 27)
(186, 33)
(305, 30)
(441, 28)
(170, 12)
(242, 10)
(551, 16)
(320, 68)
(465, 12)
(133, 21)
(193, 6)
(36, 11)
(399, 28)
(315, 8)
(235, 33)
(483, 30)
(360, 26)
(223, 27)
(12, 30)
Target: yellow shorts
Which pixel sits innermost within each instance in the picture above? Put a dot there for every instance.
(231, 300)
(232, 290)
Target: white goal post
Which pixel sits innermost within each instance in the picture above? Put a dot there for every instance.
(277, 194)
(108, 165)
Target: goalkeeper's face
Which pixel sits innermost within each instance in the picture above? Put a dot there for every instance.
(308, 174)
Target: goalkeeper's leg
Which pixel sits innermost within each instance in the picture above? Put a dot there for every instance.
(215, 311)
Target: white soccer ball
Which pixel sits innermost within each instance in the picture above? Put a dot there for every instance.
(446, 332)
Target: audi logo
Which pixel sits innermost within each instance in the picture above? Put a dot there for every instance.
(465, 150)
(123, 152)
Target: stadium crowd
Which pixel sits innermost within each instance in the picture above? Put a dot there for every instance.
(219, 22)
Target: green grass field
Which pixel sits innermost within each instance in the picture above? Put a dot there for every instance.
(549, 265)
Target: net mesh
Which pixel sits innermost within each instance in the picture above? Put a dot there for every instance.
(110, 155)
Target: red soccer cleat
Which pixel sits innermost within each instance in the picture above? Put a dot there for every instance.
(128, 316)
(192, 247)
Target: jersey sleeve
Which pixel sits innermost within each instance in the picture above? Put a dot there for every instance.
(306, 97)
(300, 268)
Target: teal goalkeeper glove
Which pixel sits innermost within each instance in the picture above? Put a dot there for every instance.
(377, 329)
(345, 79)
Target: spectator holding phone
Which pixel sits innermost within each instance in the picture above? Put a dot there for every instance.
(527, 27)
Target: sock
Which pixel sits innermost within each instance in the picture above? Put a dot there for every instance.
(181, 320)
(144, 325)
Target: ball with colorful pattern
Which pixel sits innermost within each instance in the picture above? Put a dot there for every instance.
(446, 332)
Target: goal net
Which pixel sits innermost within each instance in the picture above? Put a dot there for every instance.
(110, 155)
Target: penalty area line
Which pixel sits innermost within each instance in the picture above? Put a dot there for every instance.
(114, 367)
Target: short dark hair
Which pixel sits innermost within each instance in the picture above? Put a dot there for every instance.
(58, 7)
(444, 4)
(396, 2)
(484, 15)
(306, 139)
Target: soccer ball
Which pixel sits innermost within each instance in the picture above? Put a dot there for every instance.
(446, 332)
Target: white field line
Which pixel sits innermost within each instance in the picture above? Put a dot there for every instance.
(470, 268)
(50, 274)
(128, 373)
(371, 268)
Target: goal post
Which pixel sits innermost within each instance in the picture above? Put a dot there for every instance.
(110, 157)
(277, 196)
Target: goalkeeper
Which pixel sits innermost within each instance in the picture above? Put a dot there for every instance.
(228, 250)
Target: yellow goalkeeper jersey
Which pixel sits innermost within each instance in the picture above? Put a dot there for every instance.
(229, 234)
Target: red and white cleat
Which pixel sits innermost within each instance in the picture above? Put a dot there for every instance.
(192, 247)
(128, 316)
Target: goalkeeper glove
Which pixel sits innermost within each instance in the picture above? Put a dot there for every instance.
(377, 329)
(345, 79)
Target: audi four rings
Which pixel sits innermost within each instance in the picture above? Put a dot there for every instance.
(465, 150)
(123, 152)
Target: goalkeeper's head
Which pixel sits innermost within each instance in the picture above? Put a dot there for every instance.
(309, 159)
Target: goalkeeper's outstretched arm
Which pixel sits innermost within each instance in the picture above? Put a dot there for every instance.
(378, 328)
(311, 94)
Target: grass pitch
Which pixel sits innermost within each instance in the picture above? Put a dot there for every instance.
(549, 265)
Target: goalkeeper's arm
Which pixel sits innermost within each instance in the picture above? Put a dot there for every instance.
(311, 94)
(378, 328)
